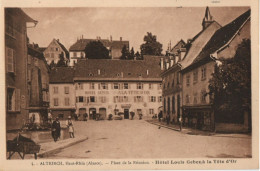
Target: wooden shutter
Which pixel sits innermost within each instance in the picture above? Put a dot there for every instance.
(17, 100)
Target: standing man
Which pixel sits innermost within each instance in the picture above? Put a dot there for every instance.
(56, 129)
(180, 122)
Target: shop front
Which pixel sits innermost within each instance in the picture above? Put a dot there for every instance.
(198, 117)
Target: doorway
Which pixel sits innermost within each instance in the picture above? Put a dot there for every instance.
(92, 113)
(126, 113)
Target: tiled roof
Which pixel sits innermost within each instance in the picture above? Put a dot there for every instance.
(198, 42)
(222, 36)
(35, 52)
(81, 44)
(42, 49)
(131, 70)
(61, 75)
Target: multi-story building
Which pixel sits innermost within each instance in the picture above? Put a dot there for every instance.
(62, 92)
(179, 57)
(38, 84)
(111, 86)
(77, 50)
(172, 87)
(54, 50)
(196, 76)
(17, 98)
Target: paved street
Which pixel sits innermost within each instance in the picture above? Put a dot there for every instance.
(139, 139)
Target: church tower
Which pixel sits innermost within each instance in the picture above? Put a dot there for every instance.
(207, 20)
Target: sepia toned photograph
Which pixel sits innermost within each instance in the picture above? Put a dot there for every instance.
(128, 83)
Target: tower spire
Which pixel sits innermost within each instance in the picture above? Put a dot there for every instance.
(208, 19)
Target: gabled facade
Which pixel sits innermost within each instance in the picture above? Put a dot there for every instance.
(77, 50)
(196, 103)
(54, 50)
(16, 58)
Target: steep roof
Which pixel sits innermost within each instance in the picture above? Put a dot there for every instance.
(128, 70)
(176, 46)
(63, 48)
(222, 36)
(198, 42)
(81, 44)
(61, 75)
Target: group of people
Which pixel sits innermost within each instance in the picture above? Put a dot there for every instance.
(56, 127)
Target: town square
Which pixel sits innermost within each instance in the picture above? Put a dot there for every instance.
(121, 83)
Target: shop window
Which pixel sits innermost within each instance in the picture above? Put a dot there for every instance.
(61, 116)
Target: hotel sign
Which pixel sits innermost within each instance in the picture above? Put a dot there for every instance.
(120, 92)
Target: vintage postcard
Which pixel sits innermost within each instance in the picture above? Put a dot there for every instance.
(95, 85)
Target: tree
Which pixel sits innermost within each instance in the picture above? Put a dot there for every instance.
(151, 46)
(52, 64)
(96, 50)
(132, 54)
(61, 62)
(125, 53)
(231, 85)
(138, 56)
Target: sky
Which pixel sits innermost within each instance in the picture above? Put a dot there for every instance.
(132, 24)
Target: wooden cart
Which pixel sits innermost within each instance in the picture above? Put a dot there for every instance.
(22, 146)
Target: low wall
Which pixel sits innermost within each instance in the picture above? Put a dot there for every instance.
(230, 128)
(40, 136)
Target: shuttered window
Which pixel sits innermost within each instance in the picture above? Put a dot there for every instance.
(10, 59)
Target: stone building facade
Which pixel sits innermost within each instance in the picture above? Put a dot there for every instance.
(112, 86)
(17, 98)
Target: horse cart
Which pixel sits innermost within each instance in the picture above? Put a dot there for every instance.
(22, 146)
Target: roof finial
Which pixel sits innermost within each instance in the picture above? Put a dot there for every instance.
(208, 19)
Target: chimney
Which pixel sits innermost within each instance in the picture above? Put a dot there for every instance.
(121, 38)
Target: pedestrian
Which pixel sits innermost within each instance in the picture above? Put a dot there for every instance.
(49, 117)
(76, 117)
(160, 116)
(71, 127)
(56, 129)
(180, 122)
